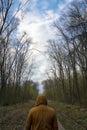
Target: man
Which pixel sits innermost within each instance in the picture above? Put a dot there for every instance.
(41, 117)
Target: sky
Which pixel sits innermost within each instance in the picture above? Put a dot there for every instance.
(37, 21)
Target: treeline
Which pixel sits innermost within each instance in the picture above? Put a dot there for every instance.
(16, 62)
(68, 57)
(19, 94)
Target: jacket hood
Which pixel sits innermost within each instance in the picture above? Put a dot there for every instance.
(41, 100)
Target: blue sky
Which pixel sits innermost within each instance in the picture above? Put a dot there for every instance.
(37, 21)
(44, 5)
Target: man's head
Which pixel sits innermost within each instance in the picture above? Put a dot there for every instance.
(41, 100)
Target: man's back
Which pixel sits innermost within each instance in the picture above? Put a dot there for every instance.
(41, 117)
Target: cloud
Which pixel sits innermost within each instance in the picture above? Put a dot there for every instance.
(63, 5)
(38, 25)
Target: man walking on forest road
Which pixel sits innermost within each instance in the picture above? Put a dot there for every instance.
(41, 117)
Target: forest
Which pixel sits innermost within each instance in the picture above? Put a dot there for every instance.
(65, 85)
(67, 75)
(16, 62)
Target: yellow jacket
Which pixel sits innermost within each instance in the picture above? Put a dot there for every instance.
(41, 117)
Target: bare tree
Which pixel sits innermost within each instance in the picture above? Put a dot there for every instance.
(70, 50)
(14, 51)
(56, 55)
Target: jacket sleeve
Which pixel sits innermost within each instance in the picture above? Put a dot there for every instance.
(28, 122)
(55, 123)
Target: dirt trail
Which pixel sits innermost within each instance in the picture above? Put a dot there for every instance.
(60, 126)
(15, 119)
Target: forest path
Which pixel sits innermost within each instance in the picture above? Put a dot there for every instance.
(14, 118)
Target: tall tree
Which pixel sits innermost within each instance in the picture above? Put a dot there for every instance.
(14, 50)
